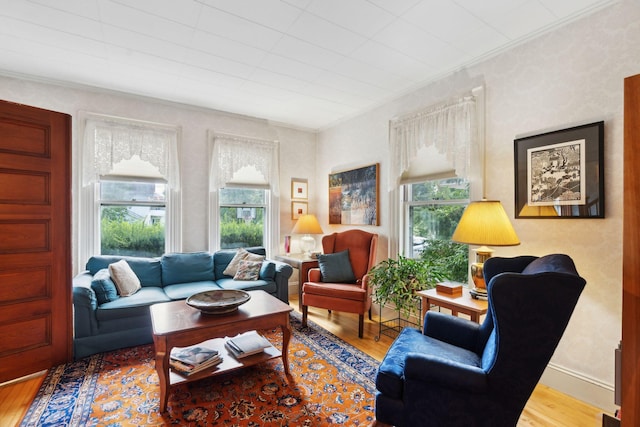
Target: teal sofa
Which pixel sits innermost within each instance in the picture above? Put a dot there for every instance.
(104, 321)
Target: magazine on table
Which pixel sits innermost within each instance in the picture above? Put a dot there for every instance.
(188, 369)
(193, 355)
(247, 344)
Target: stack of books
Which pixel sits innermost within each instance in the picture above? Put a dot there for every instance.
(247, 344)
(189, 360)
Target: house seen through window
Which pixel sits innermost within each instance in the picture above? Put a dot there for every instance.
(132, 217)
(433, 209)
(242, 217)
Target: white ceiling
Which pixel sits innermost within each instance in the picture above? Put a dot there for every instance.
(308, 63)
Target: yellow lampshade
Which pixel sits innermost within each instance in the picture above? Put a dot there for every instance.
(485, 223)
(307, 224)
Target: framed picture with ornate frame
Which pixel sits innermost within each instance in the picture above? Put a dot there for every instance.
(560, 174)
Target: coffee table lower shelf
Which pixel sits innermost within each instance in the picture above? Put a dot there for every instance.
(229, 362)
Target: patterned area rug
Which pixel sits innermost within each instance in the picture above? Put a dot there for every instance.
(332, 383)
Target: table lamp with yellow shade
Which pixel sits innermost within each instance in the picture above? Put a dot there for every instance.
(484, 223)
(307, 224)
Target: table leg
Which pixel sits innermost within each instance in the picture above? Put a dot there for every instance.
(286, 336)
(162, 367)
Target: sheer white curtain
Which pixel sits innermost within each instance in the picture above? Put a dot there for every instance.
(110, 140)
(237, 161)
(450, 129)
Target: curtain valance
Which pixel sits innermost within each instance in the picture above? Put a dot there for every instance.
(232, 153)
(451, 128)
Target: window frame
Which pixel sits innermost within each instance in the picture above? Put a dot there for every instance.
(266, 233)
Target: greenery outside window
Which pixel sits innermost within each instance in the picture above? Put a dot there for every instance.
(432, 211)
(132, 217)
(242, 221)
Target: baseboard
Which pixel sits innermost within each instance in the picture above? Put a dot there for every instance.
(581, 387)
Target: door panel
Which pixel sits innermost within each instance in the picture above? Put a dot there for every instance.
(35, 233)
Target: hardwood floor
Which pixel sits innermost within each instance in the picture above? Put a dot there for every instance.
(547, 407)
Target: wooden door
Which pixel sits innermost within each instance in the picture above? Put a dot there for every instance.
(630, 395)
(35, 236)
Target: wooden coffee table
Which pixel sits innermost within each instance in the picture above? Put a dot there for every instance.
(175, 324)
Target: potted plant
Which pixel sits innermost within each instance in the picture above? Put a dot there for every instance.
(397, 280)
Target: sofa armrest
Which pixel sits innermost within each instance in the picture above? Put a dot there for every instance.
(85, 305)
(283, 272)
(451, 329)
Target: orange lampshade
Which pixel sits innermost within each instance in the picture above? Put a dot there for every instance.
(307, 224)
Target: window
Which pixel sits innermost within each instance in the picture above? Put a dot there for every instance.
(243, 192)
(130, 188)
(132, 217)
(243, 213)
(432, 211)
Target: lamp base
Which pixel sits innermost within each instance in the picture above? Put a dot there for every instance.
(307, 244)
(483, 253)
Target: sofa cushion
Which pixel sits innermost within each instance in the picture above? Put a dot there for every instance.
(104, 287)
(336, 267)
(148, 270)
(248, 285)
(134, 306)
(125, 279)
(248, 270)
(186, 267)
(185, 290)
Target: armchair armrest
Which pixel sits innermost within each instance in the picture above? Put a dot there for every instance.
(313, 276)
(451, 329)
(428, 368)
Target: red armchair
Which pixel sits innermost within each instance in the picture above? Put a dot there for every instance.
(354, 296)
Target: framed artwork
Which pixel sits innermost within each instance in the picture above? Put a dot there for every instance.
(560, 174)
(299, 189)
(353, 196)
(297, 209)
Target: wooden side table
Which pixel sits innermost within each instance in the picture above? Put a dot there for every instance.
(457, 304)
(303, 263)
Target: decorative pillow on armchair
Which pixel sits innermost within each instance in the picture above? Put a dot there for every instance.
(248, 270)
(336, 267)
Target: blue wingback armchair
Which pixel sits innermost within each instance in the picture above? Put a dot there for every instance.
(460, 373)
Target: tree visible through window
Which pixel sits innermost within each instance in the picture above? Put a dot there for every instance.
(132, 217)
(433, 211)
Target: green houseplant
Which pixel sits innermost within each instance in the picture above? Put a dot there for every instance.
(397, 280)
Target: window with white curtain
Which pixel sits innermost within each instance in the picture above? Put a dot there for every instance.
(244, 192)
(130, 188)
(432, 173)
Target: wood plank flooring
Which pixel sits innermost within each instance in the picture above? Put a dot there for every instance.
(546, 408)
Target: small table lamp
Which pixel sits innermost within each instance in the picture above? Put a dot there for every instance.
(307, 224)
(484, 223)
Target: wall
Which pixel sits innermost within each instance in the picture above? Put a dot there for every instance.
(572, 75)
(193, 150)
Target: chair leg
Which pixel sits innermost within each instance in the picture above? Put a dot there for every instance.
(305, 309)
(360, 325)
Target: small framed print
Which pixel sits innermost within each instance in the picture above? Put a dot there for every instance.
(299, 189)
(298, 209)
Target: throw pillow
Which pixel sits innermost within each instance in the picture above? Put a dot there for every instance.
(248, 270)
(336, 267)
(104, 287)
(241, 255)
(125, 279)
